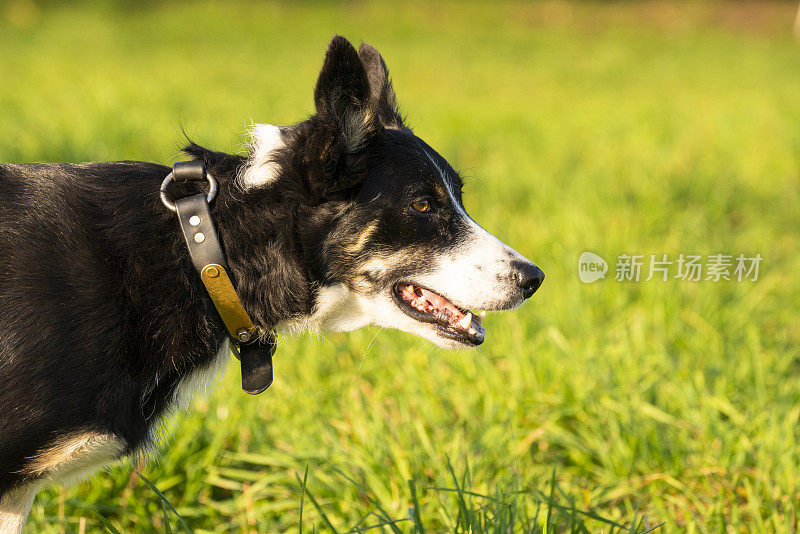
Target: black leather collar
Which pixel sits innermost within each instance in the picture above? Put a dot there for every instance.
(253, 347)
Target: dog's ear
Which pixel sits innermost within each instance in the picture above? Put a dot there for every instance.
(342, 96)
(382, 98)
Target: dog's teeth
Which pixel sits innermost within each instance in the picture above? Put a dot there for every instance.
(472, 331)
(466, 321)
(482, 314)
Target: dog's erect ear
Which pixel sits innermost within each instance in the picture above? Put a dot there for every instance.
(382, 97)
(342, 95)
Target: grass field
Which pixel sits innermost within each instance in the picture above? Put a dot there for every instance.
(613, 128)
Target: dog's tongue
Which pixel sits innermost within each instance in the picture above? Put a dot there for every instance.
(442, 310)
(439, 302)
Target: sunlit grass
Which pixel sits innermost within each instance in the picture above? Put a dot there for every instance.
(578, 128)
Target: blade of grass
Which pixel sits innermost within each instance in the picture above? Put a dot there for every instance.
(385, 514)
(106, 523)
(302, 495)
(321, 513)
(379, 525)
(165, 501)
(414, 511)
(462, 504)
(167, 526)
(550, 502)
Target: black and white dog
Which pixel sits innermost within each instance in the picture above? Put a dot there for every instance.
(341, 221)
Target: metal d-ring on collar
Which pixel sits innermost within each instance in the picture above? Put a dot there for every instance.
(212, 190)
(253, 348)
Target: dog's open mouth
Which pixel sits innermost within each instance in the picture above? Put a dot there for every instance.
(450, 321)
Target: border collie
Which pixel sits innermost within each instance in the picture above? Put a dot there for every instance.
(344, 220)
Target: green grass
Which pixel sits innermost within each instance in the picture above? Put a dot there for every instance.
(638, 129)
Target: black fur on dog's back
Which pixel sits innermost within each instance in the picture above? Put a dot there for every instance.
(91, 281)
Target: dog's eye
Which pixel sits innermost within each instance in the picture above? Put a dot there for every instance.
(421, 205)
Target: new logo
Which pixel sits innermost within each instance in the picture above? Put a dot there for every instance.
(591, 267)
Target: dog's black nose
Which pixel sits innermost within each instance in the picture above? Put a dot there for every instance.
(529, 277)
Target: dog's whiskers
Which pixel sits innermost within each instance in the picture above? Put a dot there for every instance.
(372, 342)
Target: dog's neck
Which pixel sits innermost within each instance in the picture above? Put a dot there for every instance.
(270, 250)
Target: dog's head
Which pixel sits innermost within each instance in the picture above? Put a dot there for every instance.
(385, 236)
